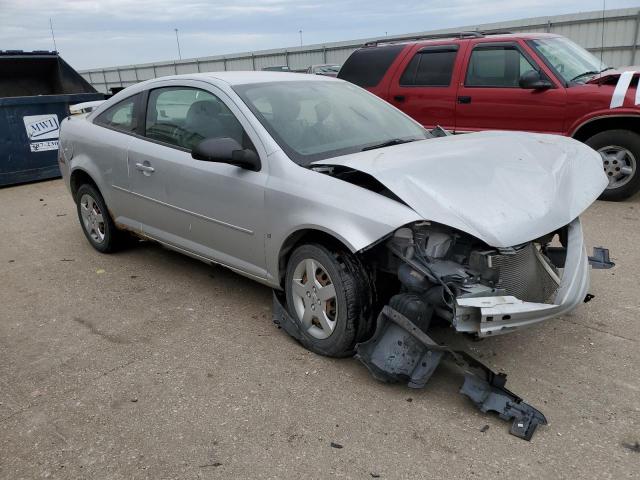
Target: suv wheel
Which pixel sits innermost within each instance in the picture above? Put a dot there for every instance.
(328, 295)
(620, 150)
(95, 220)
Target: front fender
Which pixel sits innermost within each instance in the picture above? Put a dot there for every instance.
(601, 114)
(308, 200)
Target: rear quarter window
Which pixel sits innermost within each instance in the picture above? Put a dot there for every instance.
(121, 116)
(367, 66)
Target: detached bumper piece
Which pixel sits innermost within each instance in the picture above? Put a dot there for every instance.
(600, 259)
(400, 351)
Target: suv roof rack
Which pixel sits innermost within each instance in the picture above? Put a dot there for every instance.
(468, 34)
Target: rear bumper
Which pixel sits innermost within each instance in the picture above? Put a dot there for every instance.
(489, 316)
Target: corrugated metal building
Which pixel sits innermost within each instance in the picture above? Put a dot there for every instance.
(619, 47)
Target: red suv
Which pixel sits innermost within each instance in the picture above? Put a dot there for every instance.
(535, 82)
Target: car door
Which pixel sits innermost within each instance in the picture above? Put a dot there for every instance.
(489, 96)
(424, 87)
(210, 210)
(118, 125)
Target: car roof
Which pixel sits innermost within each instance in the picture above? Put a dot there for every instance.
(230, 78)
(247, 77)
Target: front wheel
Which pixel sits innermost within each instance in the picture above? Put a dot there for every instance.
(620, 151)
(329, 296)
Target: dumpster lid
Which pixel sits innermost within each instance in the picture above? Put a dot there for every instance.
(39, 72)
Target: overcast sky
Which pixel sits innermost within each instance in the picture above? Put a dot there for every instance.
(119, 32)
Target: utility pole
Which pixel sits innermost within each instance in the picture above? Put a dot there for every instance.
(178, 43)
(55, 47)
(604, 8)
(300, 32)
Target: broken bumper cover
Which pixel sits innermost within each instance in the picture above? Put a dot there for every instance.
(488, 316)
(416, 357)
(400, 351)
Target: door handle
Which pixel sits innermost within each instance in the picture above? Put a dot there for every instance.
(464, 99)
(145, 168)
(398, 98)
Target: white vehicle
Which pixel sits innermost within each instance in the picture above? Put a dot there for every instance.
(84, 107)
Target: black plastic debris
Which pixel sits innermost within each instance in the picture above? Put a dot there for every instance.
(405, 353)
(600, 259)
(400, 351)
(634, 447)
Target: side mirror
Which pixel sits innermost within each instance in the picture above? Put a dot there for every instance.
(226, 150)
(532, 80)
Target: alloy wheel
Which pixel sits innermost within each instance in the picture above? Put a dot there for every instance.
(314, 298)
(92, 219)
(619, 165)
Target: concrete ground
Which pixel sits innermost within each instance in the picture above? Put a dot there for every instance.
(148, 364)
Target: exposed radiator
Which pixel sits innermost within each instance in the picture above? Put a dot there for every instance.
(524, 275)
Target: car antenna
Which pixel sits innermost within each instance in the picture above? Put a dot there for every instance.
(604, 4)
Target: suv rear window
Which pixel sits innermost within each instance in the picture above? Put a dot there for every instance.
(366, 66)
(430, 68)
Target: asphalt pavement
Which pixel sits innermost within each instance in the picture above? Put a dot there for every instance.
(149, 364)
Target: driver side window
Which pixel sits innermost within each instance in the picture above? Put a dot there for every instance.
(183, 117)
(496, 66)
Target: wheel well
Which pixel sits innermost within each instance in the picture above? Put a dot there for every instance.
(79, 178)
(305, 236)
(608, 123)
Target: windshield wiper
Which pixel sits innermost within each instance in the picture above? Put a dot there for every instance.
(591, 72)
(388, 143)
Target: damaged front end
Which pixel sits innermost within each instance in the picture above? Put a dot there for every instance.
(483, 290)
(480, 290)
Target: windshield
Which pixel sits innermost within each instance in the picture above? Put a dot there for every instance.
(315, 120)
(572, 62)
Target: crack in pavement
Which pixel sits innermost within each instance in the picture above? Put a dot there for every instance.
(94, 330)
(602, 331)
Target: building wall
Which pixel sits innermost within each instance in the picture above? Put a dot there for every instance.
(619, 48)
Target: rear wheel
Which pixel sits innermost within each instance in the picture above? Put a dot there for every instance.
(95, 220)
(328, 295)
(620, 151)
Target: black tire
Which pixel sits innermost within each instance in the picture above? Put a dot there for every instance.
(112, 236)
(625, 139)
(353, 298)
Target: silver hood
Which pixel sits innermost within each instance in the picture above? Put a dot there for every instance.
(504, 188)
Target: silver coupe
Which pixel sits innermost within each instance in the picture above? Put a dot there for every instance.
(338, 201)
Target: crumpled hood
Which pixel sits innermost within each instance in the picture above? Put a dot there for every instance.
(504, 188)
